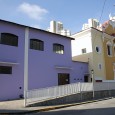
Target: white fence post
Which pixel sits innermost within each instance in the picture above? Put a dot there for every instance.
(80, 90)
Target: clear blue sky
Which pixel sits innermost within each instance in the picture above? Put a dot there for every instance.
(72, 13)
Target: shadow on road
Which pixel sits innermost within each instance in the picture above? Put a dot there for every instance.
(96, 111)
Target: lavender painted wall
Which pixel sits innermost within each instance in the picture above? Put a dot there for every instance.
(79, 69)
(42, 70)
(9, 84)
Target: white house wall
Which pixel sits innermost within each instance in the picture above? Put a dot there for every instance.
(83, 41)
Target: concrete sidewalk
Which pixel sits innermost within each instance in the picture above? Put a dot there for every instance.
(17, 107)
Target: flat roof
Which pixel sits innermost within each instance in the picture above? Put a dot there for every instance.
(36, 29)
(89, 29)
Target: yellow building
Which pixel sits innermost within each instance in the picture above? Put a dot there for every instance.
(97, 46)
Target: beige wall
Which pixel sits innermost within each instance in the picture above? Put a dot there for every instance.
(98, 57)
(83, 58)
(109, 60)
(94, 58)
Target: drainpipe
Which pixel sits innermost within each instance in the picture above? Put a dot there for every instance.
(26, 65)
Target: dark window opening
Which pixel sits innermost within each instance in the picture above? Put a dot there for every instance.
(86, 78)
(58, 48)
(9, 39)
(63, 78)
(83, 50)
(36, 44)
(97, 49)
(5, 70)
(98, 80)
(109, 50)
(100, 66)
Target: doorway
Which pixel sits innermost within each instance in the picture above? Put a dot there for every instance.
(86, 78)
(63, 78)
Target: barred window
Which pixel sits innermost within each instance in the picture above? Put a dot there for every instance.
(9, 39)
(58, 48)
(5, 70)
(36, 44)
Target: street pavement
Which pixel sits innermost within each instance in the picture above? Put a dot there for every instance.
(16, 107)
(105, 107)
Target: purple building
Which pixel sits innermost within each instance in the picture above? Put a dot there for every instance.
(49, 60)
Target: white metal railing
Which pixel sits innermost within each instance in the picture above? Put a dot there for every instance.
(86, 87)
(56, 91)
(38, 95)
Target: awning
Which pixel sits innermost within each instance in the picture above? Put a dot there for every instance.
(8, 63)
(86, 73)
(63, 67)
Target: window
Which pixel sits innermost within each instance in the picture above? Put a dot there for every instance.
(100, 66)
(83, 50)
(5, 70)
(58, 48)
(109, 48)
(97, 48)
(63, 78)
(36, 44)
(9, 39)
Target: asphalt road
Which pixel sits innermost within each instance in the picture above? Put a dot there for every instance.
(105, 107)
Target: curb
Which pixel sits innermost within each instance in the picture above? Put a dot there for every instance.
(54, 107)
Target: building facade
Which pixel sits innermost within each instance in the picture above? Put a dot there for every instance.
(91, 23)
(57, 27)
(96, 46)
(49, 61)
